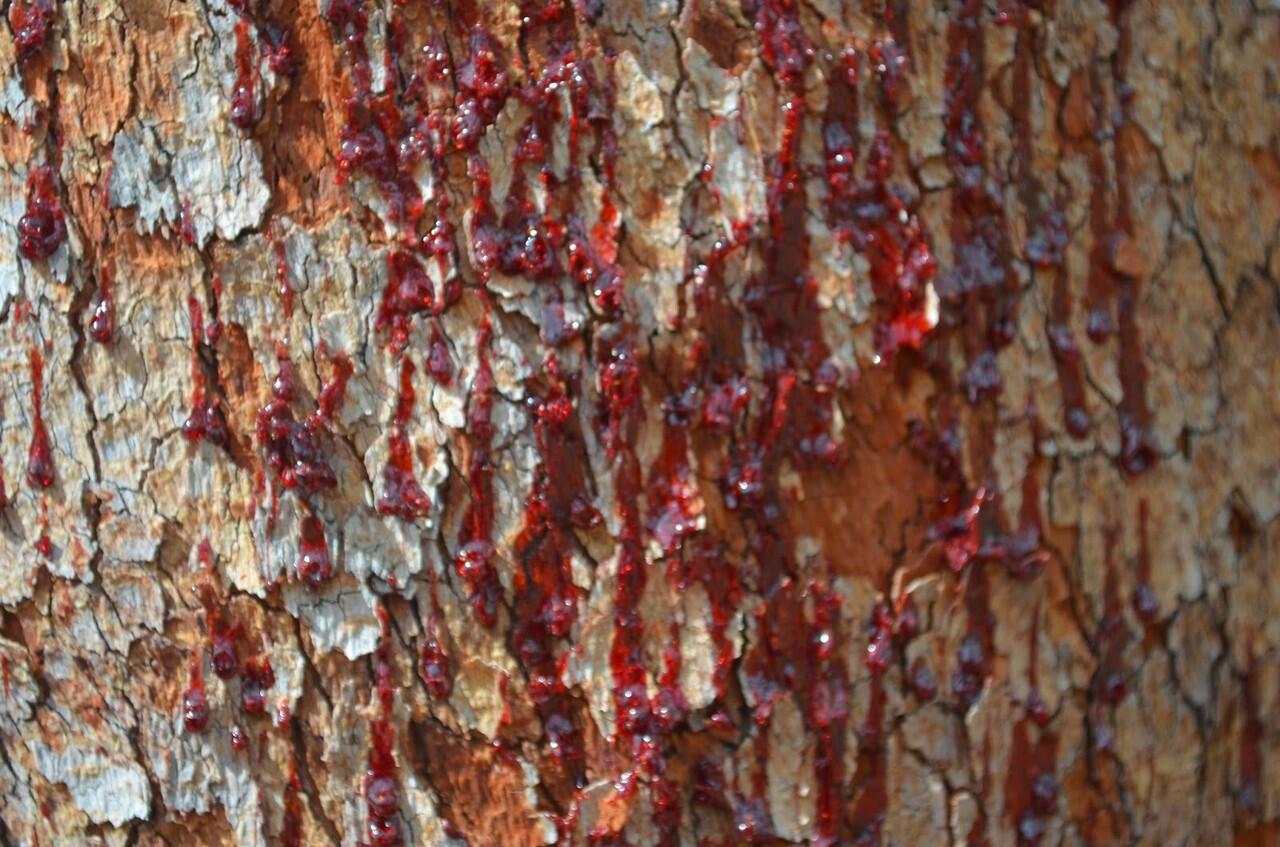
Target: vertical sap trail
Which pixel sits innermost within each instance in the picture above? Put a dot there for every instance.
(1137, 453)
(206, 420)
(1115, 264)
(474, 561)
(545, 604)
(40, 467)
(1144, 601)
(1047, 240)
(980, 289)
(382, 781)
(1250, 758)
(1031, 784)
(1100, 286)
(402, 495)
(1109, 685)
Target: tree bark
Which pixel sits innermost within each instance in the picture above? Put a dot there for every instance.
(704, 422)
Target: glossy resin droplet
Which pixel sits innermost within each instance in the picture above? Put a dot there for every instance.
(244, 97)
(313, 566)
(195, 704)
(205, 421)
(381, 782)
(30, 21)
(257, 679)
(42, 228)
(102, 323)
(433, 660)
(297, 451)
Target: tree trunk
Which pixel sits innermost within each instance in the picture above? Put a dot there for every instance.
(652, 423)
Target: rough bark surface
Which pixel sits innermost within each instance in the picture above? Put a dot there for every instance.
(640, 422)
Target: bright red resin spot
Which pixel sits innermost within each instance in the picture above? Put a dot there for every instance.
(44, 544)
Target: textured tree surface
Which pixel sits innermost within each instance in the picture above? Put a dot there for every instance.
(640, 422)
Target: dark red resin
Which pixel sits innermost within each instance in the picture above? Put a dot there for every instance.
(313, 565)
(255, 681)
(283, 285)
(382, 782)
(980, 289)
(30, 21)
(439, 362)
(1111, 283)
(1250, 781)
(774, 405)
(433, 661)
(409, 291)
(402, 496)
(205, 421)
(871, 216)
(474, 559)
(223, 638)
(297, 456)
(291, 825)
(546, 600)
(296, 452)
(1047, 241)
(42, 228)
(244, 96)
(1112, 635)
(1145, 603)
(40, 472)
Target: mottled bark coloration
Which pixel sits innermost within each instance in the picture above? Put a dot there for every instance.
(709, 423)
